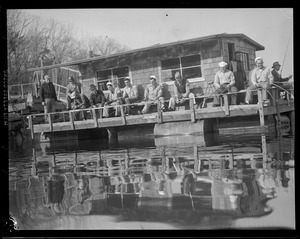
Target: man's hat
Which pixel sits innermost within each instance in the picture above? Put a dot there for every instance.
(177, 75)
(222, 64)
(71, 79)
(276, 63)
(92, 86)
(109, 83)
(152, 77)
(127, 78)
(257, 58)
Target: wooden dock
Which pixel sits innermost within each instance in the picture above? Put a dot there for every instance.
(276, 107)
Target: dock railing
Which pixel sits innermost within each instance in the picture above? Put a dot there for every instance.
(96, 113)
(21, 90)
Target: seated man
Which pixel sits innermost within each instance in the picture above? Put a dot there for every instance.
(80, 102)
(97, 98)
(72, 87)
(278, 80)
(181, 92)
(130, 94)
(114, 98)
(153, 94)
(224, 82)
(260, 77)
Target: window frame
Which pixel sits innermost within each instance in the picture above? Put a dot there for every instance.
(181, 68)
(112, 75)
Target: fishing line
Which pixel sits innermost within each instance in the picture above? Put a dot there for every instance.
(286, 52)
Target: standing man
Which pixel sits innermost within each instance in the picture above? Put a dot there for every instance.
(260, 77)
(153, 94)
(130, 94)
(224, 82)
(181, 92)
(48, 95)
(72, 88)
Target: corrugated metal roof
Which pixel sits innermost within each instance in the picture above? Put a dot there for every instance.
(156, 46)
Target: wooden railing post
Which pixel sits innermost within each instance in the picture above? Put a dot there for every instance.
(31, 126)
(226, 104)
(71, 120)
(159, 113)
(123, 117)
(260, 107)
(193, 116)
(50, 122)
(95, 117)
(22, 91)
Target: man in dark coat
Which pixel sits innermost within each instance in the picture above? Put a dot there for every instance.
(48, 95)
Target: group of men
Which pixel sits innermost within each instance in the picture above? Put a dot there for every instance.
(224, 82)
(260, 77)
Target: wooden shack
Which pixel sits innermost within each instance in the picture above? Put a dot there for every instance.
(197, 59)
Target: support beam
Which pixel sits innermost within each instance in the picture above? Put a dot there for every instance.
(123, 117)
(31, 126)
(50, 122)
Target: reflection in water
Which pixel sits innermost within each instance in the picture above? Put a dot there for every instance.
(175, 182)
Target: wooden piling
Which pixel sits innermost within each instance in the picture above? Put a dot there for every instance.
(50, 122)
(123, 117)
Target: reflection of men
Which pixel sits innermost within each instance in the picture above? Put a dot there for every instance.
(153, 94)
(48, 95)
(130, 94)
(260, 77)
(72, 88)
(181, 92)
(224, 82)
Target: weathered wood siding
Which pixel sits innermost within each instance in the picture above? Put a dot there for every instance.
(240, 45)
(142, 64)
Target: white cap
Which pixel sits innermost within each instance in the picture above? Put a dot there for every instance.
(257, 58)
(152, 77)
(222, 64)
(109, 83)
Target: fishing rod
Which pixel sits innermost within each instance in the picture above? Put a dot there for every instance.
(286, 52)
(283, 89)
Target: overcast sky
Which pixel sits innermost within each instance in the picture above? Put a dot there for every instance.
(137, 28)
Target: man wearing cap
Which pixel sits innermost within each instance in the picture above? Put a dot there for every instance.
(80, 102)
(260, 77)
(224, 82)
(278, 79)
(181, 92)
(114, 98)
(153, 94)
(48, 95)
(72, 88)
(97, 98)
(130, 94)
(277, 75)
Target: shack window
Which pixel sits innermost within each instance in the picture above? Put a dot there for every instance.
(245, 60)
(118, 74)
(188, 66)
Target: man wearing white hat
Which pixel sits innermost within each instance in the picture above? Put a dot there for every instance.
(153, 94)
(224, 82)
(114, 98)
(260, 77)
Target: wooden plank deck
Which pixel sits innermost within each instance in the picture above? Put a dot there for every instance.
(153, 118)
